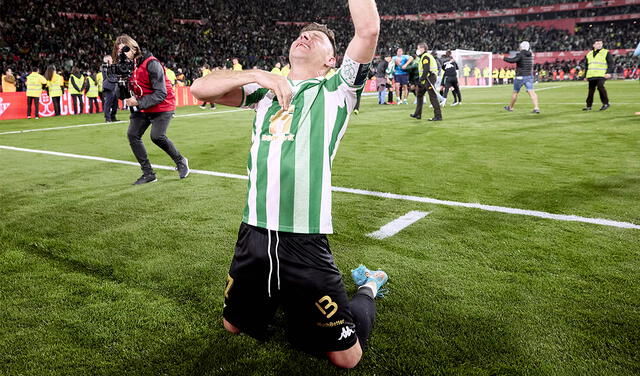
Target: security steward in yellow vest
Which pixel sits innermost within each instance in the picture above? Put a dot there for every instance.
(34, 88)
(599, 63)
(55, 85)
(92, 93)
(100, 82)
(428, 73)
(76, 89)
(466, 72)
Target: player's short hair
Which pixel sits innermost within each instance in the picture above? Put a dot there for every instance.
(314, 26)
(423, 45)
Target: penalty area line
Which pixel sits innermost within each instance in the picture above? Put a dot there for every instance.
(362, 192)
(398, 225)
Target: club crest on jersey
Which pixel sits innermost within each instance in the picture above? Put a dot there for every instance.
(280, 126)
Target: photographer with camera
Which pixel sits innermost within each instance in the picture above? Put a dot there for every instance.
(150, 96)
(109, 91)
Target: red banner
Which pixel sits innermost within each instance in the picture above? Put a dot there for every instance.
(568, 24)
(513, 11)
(14, 105)
(550, 57)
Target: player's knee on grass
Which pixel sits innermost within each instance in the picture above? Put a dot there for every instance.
(346, 358)
(229, 327)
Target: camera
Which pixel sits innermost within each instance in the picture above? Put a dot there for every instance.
(120, 73)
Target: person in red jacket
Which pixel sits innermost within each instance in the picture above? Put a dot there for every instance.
(152, 103)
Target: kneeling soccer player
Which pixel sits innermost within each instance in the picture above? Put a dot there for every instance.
(282, 255)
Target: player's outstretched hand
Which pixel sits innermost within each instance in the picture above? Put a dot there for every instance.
(278, 84)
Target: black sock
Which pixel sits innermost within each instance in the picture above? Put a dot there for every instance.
(363, 309)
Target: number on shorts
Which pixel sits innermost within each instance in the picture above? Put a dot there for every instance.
(329, 309)
(229, 284)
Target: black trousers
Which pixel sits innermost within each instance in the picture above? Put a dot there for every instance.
(452, 82)
(433, 97)
(56, 105)
(93, 102)
(159, 122)
(599, 83)
(110, 104)
(77, 100)
(36, 102)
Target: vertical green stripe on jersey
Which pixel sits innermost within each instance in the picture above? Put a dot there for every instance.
(341, 117)
(316, 160)
(263, 172)
(245, 215)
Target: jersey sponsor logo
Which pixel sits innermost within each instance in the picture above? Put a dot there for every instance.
(280, 126)
(3, 107)
(346, 333)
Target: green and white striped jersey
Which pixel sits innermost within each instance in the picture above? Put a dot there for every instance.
(292, 150)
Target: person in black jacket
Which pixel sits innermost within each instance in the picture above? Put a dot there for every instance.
(524, 76)
(110, 92)
(450, 79)
(427, 83)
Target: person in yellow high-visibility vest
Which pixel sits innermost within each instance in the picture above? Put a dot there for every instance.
(477, 75)
(236, 64)
(55, 86)
(205, 72)
(501, 76)
(494, 75)
(277, 69)
(76, 89)
(92, 93)
(34, 88)
(428, 75)
(100, 82)
(171, 76)
(599, 66)
(285, 70)
(486, 73)
(466, 72)
(8, 82)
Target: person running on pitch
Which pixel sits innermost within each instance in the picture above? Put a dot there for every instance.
(524, 76)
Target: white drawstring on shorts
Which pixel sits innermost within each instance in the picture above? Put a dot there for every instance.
(271, 261)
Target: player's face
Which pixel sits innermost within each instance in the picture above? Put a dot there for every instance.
(399, 52)
(313, 46)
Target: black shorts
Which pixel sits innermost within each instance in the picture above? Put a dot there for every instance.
(296, 271)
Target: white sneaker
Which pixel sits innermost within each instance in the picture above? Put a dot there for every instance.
(454, 104)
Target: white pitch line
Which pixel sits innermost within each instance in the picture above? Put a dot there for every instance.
(115, 122)
(427, 200)
(398, 225)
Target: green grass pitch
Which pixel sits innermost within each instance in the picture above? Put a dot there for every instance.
(99, 277)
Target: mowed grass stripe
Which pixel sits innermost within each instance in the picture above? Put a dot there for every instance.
(492, 208)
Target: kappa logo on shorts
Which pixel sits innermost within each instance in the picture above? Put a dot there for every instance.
(346, 333)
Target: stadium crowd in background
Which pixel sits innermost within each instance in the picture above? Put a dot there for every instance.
(187, 34)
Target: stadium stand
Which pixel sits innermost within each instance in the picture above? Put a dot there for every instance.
(186, 34)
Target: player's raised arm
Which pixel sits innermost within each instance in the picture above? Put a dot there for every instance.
(366, 22)
(225, 87)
